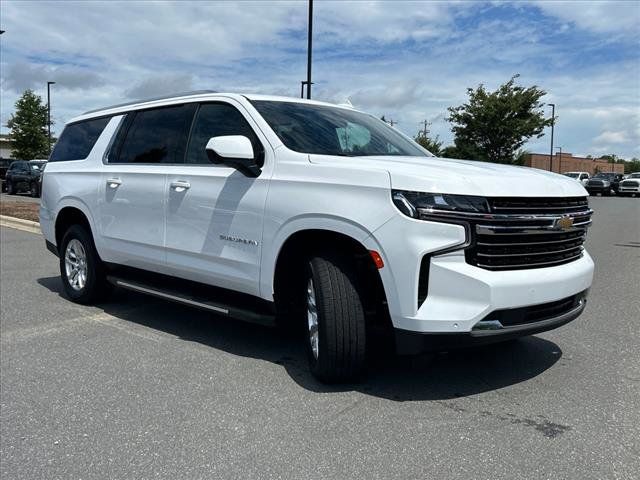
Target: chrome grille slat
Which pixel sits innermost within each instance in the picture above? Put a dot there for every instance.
(526, 254)
(521, 233)
(515, 266)
(581, 237)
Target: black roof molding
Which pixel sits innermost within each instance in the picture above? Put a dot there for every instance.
(153, 99)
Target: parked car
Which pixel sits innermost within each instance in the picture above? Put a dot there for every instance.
(273, 209)
(582, 177)
(24, 176)
(604, 183)
(630, 186)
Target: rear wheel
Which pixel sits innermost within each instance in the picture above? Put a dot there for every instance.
(335, 318)
(34, 189)
(10, 188)
(81, 269)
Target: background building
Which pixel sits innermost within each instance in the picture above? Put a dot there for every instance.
(5, 147)
(568, 163)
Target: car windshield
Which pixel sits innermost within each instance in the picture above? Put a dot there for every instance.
(572, 175)
(329, 130)
(634, 175)
(604, 175)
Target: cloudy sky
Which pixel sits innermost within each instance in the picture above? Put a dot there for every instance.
(408, 61)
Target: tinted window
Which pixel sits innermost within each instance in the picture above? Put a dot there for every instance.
(333, 131)
(78, 139)
(218, 119)
(157, 136)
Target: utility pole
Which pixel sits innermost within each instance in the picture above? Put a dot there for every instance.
(309, 38)
(49, 112)
(560, 160)
(553, 121)
(425, 127)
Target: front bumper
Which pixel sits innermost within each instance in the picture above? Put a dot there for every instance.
(458, 294)
(490, 330)
(624, 190)
(597, 189)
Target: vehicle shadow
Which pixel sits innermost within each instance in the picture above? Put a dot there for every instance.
(439, 376)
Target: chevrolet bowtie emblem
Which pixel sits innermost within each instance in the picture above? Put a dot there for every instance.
(564, 223)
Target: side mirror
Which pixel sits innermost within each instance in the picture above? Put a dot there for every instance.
(235, 151)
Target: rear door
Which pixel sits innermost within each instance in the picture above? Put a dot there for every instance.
(132, 201)
(214, 212)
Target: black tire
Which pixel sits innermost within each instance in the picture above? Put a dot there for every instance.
(10, 188)
(34, 190)
(95, 286)
(607, 193)
(341, 319)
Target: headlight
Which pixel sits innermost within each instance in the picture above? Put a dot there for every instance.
(409, 203)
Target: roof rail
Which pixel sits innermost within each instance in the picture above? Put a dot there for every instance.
(153, 99)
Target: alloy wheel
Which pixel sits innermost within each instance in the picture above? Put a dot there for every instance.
(75, 264)
(312, 318)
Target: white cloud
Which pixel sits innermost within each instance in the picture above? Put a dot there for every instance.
(161, 85)
(407, 60)
(599, 16)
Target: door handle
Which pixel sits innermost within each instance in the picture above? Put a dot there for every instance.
(180, 186)
(114, 182)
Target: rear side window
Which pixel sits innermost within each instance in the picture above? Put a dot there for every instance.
(218, 119)
(157, 136)
(78, 139)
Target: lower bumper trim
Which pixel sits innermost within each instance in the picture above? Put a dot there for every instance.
(51, 247)
(412, 343)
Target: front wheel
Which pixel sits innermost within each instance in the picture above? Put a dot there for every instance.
(10, 188)
(336, 335)
(81, 269)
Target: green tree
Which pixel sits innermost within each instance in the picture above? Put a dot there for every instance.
(29, 128)
(632, 165)
(492, 126)
(450, 152)
(434, 145)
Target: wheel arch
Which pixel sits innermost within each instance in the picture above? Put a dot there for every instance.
(300, 244)
(71, 214)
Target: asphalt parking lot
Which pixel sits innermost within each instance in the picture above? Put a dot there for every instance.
(139, 388)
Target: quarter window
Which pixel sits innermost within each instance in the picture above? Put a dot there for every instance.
(157, 136)
(77, 140)
(218, 119)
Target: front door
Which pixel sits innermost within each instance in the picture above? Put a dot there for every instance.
(215, 213)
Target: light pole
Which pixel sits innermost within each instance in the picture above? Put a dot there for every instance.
(553, 121)
(49, 112)
(309, 38)
(560, 161)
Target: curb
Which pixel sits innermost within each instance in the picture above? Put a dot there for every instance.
(20, 224)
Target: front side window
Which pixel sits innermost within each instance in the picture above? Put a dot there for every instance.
(329, 130)
(571, 175)
(77, 140)
(156, 136)
(218, 119)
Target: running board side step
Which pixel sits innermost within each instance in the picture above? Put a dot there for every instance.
(186, 296)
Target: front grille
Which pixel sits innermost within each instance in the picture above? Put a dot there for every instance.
(524, 233)
(595, 183)
(629, 183)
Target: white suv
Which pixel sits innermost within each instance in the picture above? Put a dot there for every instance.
(262, 208)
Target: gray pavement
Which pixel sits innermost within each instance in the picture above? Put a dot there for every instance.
(139, 388)
(18, 197)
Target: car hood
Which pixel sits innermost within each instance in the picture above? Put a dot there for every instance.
(466, 177)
